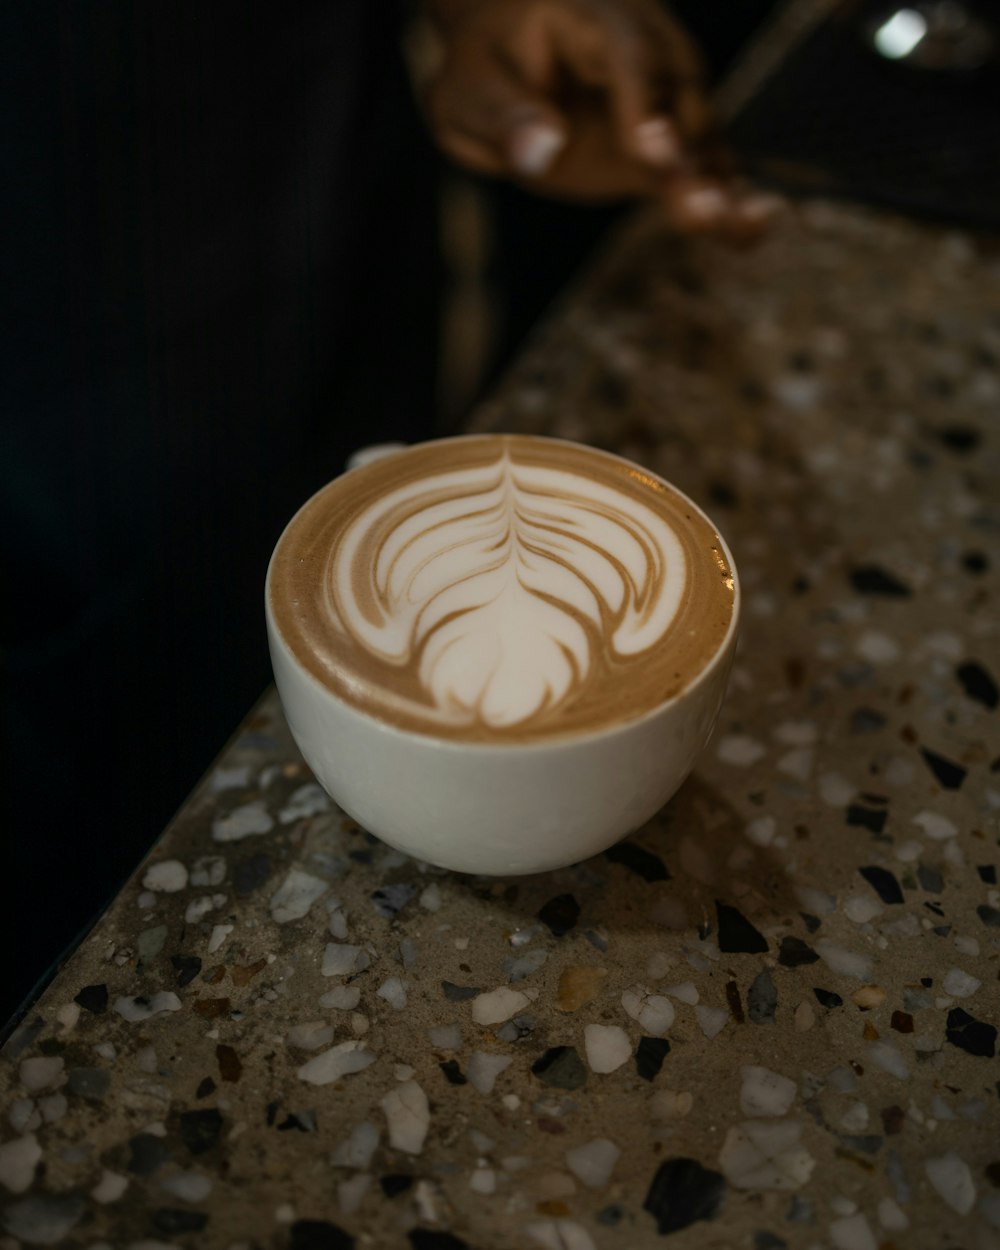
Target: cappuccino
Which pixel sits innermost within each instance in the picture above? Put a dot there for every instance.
(502, 588)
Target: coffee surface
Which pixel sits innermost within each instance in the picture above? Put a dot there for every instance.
(501, 588)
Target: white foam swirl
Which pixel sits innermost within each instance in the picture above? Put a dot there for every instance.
(501, 583)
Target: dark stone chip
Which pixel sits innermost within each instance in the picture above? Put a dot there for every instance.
(812, 923)
(395, 1183)
(611, 1216)
(733, 999)
(230, 1064)
(762, 999)
(205, 1087)
(643, 863)
(987, 873)
(827, 998)
(892, 1120)
(866, 817)
(299, 1121)
(453, 1073)
(319, 1235)
(865, 720)
(561, 1067)
(960, 438)
(682, 1192)
(650, 1055)
(869, 579)
(868, 1144)
(434, 1239)
(560, 914)
(93, 998)
(769, 1241)
(992, 1171)
(200, 1129)
(948, 773)
(975, 562)
(362, 856)
(794, 953)
(186, 968)
(930, 879)
(89, 1082)
(173, 1220)
(901, 1021)
(251, 873)
(722, 493)
(978, 684)
(390, 900)
(971, 1035)
(459, 993)
(272, 1113)
(146, 1154)
(883, 882)
(736, 933)
(990, 916)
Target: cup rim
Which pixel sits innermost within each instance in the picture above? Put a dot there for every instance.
(568, 738)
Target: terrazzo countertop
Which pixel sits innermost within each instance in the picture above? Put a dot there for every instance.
(768, 1020)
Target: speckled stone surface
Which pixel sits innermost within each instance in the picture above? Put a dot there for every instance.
(768, 1019)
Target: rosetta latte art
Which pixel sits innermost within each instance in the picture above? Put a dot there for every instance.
(506, 586)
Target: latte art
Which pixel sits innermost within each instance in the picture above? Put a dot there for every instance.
(501, 587)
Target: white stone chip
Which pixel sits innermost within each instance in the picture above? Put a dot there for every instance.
(960, 984)
(685, 992)
(711, 1020)
(816, 901)
(243, 822)
(483, 1181)
(653, 1012)
(338, 1061)
(766, 1154)
(761, 830)
(312, 1035)
(483, 1070)
(109, 1188)
(764, 1092)
(208, 870)
(393, 990)
(308, 800)
(936, 826)
(950, 1176)
(445, 1036)
(855, 1118)
(560, 1235)
(40, 1071)
(408, 1116)
(607, 1047)
(593, 1162)
(68, 1016)
(219, 934)
(498, 1005)
(891, 1216)
(670, 1104)
(188, 1186)
(835, 790)
(358, 1149)
(847, 963)
(877, 647)
(342, 997)
(885, 1056)
(18, 1160)
(340, 959)
(860, 908)
(295, 895)
(166, 877)
(430, 899)
(234, 778)
(351, 1193)
(797, 763)
(853, 1232)
(199, 908)
(141, 1007)
(23, 1116)
(740, 750)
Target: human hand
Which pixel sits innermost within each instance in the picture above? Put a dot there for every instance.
(586, 99)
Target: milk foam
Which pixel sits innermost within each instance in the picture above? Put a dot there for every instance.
(502, 588)
(500, 582)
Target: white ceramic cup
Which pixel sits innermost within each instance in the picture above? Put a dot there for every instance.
(508, 808)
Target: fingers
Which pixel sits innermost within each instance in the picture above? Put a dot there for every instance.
(697, 205)
(488, 119)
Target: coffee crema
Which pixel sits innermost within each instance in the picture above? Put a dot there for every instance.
(501, 588)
